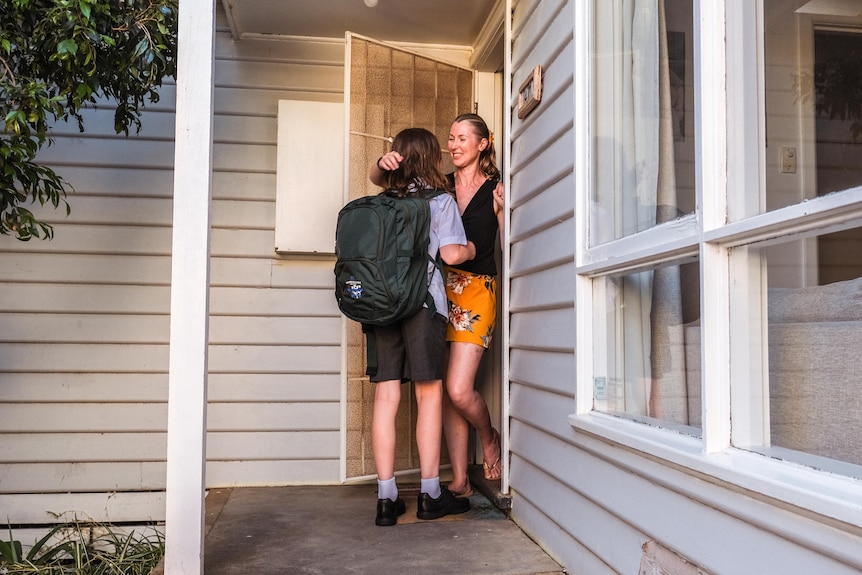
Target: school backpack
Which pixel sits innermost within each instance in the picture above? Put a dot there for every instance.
(381, 250)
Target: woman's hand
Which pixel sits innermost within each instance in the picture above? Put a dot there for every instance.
(386, 163)
(499, 197)
(390, 161)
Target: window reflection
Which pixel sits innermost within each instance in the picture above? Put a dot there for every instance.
(813, 100)
(643, 117)
(647, 349)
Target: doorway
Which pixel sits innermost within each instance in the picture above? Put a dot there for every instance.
(388, 89)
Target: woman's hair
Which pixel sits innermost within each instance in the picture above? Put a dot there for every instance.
(487, 157)
(420, 166)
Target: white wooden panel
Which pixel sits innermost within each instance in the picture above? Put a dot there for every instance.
(103, 507)
(87, 269)
(82, 477)
(242, 243)
(83, 357)
(286, 273)
(122, 211)
(273, 330)
(271, 473)
(615, 542)
(84, 387)
(310, 175)
(278, 387)
(116, 211)
(318, 50)
(148, 388)
(82, 417)
(548, 370)
(80, 298)
(556, 541)
(273, 301)
(227, 446)
(532, 21)
(548, 330)
(274, 359)
(99, 122)
(552, 205)
(305, 76)
(106, 239)
(547, 248)
(273, 416)
(252, 215)
(82, 447)
(545, 410)
(244, 157)
(117, 181)
(553, 287)
(71, 328)
(554, 163)
(245, 186)
(117, 151)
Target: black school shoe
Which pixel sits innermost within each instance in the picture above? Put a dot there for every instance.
(446, 504)
(388, 511)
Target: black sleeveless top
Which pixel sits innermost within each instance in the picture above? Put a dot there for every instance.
(482, 227)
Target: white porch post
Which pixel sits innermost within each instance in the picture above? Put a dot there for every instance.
(187, 394)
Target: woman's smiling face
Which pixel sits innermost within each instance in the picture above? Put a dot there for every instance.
(464, 144)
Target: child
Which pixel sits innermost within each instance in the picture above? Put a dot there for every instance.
(414, 348)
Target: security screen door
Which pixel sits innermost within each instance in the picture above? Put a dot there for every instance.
(386, 90)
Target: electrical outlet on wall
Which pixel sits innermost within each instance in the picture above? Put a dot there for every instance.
(788, 160)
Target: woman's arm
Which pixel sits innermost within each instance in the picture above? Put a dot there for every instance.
(388, 162)
(454, 254)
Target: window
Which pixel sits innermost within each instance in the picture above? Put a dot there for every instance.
(641, 212)
(722, 254)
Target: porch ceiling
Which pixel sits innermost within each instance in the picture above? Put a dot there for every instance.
(455, 22)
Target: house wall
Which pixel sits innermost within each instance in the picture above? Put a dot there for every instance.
(84, 321)
(595, 506)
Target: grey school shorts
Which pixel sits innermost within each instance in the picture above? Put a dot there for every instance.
(413, 349)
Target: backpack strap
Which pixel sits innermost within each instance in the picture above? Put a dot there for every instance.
(437, 261)
(370, 350)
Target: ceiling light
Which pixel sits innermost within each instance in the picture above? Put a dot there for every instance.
(371, 3)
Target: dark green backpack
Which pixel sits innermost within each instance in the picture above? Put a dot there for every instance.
(381, 249)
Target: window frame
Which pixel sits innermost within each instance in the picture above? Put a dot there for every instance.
(731, 158)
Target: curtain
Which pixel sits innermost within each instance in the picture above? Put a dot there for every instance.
(668, 393)
(652, 353)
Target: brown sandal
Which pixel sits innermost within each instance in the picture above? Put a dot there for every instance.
(494, 471)
(466, 492)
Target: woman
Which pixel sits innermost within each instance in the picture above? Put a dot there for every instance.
(472, 291)
(414, 348)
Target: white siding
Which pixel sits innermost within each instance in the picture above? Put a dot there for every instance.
(84, 321)
(590, 504)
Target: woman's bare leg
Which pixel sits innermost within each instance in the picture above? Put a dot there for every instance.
(465, 402)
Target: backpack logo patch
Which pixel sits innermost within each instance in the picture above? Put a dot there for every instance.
(354, 288)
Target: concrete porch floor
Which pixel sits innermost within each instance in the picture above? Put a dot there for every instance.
(330, 530)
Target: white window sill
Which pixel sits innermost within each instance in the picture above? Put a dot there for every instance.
(763, 477)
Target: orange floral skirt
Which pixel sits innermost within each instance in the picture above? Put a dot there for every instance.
(472, 306)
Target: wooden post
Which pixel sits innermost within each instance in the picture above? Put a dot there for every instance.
(187, 394)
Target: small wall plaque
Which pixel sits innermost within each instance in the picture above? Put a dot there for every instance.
(530, 93)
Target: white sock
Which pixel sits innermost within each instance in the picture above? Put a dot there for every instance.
(431, 487)
(387, 489)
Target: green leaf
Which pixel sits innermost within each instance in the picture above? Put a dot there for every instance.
(68, 46)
